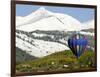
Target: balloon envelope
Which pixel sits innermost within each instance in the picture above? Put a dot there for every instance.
(77, 43)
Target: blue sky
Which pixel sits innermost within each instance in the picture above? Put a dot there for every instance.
(81, 14)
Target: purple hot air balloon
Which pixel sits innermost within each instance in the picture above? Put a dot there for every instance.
(77, 43)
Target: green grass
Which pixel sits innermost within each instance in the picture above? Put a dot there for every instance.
(58, 61)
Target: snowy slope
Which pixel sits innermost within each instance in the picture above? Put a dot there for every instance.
(87, 33)
(43, 48)
(36, 47)
(88, 24)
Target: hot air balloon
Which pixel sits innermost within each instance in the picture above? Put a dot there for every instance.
(77, 43)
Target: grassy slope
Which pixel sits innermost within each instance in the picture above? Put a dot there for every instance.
(61, 61)
(23, 56)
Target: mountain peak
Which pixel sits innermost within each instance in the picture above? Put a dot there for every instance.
(43, 11)
(42, 8)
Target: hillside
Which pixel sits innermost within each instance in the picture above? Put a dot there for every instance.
(23, 56)
(60, 61)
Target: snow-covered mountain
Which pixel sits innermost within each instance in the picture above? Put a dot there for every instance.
(43, 32)
(43, 19)
(88, 28)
